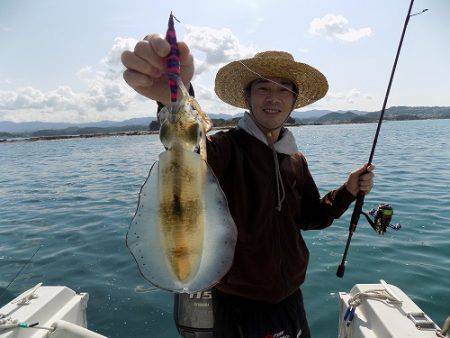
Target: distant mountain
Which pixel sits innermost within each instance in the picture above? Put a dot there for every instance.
(412, 113)
(309, 114)
(392, 113)
(86, 130)
(29, 127)
(20, 127)
(337, 117)
(4, 135)
(316, 113)
(225, 116)
(11, 129)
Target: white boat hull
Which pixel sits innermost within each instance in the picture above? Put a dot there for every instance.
(59, 309)
(377, 318)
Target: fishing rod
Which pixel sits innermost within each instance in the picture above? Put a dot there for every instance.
(357, 211)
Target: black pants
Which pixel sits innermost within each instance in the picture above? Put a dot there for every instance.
(236, 317)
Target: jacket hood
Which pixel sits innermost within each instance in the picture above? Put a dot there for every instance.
(285, 145)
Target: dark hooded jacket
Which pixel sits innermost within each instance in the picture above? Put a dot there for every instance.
(271, 256)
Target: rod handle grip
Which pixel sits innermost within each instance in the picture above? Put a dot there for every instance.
(340, 271)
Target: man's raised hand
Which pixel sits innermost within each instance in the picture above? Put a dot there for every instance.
(145, 65)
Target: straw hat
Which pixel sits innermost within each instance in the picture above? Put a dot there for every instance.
(233, 78)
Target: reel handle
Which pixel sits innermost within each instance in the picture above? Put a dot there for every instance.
(396, 226)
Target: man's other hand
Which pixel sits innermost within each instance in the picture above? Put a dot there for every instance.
(361, 180)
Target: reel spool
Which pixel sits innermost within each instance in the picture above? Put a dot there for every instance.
(382, 219)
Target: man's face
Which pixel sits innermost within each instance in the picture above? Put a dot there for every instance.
(271, 103)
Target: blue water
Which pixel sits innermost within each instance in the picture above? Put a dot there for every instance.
(77, 197)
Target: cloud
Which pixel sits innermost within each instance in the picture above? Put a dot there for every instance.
(212, 49)
(100, 96)
(203, 93)
(112, 62)
(351, 96)
(32, 98)
(219, 46)
(210, 103)
(106, 96)
(333, 26)
(85, 73)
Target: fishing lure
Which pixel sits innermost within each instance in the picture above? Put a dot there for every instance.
(173, 59)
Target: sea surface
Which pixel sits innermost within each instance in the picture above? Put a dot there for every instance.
(76, 198)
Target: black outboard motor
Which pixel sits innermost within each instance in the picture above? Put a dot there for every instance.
(193, 314)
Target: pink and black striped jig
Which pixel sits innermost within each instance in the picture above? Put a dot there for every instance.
(173, 59)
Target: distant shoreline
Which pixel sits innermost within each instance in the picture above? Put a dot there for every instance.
(140, 132)
(64, 137)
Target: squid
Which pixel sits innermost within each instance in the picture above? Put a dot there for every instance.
(182, 235)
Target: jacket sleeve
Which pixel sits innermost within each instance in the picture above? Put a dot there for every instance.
(316, 212)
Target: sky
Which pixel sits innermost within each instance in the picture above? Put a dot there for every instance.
(60, 60)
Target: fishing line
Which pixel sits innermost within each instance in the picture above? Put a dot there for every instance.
(262, 77)
(296, 94)
(20, 271)
(278, 84)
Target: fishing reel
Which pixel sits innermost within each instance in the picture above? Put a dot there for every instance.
(382, 219)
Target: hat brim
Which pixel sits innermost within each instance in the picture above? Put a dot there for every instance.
(233, 78)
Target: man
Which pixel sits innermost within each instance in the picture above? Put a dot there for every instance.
(270, 191)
